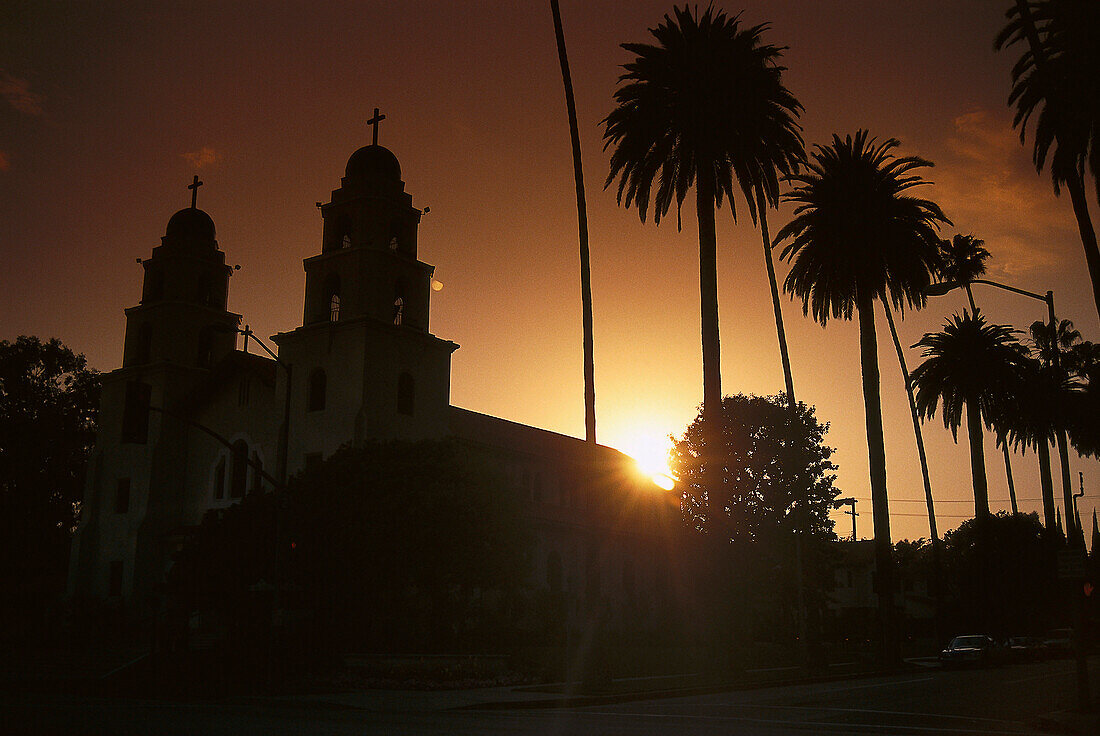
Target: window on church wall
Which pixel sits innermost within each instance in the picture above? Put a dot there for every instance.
(330, 295)
(144, 352)
(122, 496)
(318, 385)
(205, 356)
(334, 308)
(257, 472)
(240, 469)
(219, 480)
(345, 242)
(114, 579)
(154, 287)
(135, 413)
(398, 311)
(406, 394)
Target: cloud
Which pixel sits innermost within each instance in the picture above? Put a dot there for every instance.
(988, 186)
(202, 158)
(18, 94)
(5, 161)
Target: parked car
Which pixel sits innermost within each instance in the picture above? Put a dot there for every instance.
(975, 650)
(1025, 648)
(1059, 642)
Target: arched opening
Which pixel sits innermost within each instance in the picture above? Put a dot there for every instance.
(144, 353)
(154, 287)
(219, 479)
(205, 357)
(406, 394)
(345, 242)
(398, 310)
(328, 298)
(318, 384)
(240, 469)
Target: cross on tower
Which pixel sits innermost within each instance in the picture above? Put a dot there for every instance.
(194, 187)
(374, 122)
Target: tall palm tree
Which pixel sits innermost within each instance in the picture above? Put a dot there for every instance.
(1032, 421)
(970, 365)
(1053, 344)
(1055, 80)
(582, 224)
(857, 236)
(937, 572)
(703, 107)
(964, 258)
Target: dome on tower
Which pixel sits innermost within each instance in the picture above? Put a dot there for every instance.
(190, 224)
(373, 162)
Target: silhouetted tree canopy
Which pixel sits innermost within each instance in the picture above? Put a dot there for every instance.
(49, 401)
(376, 536)
(773, 474)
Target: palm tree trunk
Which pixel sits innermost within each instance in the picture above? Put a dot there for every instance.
(708, 295)
(937, 573)
(876, 460)
(1042, 449)
(582, 223)
(976, 435)
(1076, 187)
(769, 262)
(1067, 484)
(1004, 445)
(1008, 477)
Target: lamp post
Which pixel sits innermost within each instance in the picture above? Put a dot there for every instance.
(1063, 455)
(1063, 449)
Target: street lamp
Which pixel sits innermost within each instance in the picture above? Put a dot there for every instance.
(944, 287)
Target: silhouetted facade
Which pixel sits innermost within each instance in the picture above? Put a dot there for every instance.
(362, 366)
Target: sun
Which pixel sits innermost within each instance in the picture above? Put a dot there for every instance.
(649, 447)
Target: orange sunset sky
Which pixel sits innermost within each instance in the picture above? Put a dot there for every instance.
(107, 109)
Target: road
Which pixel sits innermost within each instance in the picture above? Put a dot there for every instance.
(928, 701)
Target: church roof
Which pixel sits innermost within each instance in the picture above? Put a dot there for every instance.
(489, 430)
(190, 223)
(373, 162)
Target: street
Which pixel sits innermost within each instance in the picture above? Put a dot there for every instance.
(1005, 700)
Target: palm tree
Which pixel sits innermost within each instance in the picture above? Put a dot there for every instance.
(702, 107)
(1032, 420)
(856, 236)
(964, 258)
(1053, 344)
(582, 223)
(969, 365)
(1055, 80)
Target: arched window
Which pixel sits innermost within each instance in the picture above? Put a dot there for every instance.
(206, 347)
(154, 287)
(317, 387)
(393, 243)
(144, 353)
(398, 310)
(219, 479)
(240, 469)
(345, 242)
(406, 394)
(329, 297)
(553, 571)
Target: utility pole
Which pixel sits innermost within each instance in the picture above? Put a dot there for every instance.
(852, 512)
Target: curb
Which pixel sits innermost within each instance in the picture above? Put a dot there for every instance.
(577, 701)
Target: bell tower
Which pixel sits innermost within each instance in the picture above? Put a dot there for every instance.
(365, 365)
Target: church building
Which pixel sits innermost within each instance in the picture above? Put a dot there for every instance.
(191, 423)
